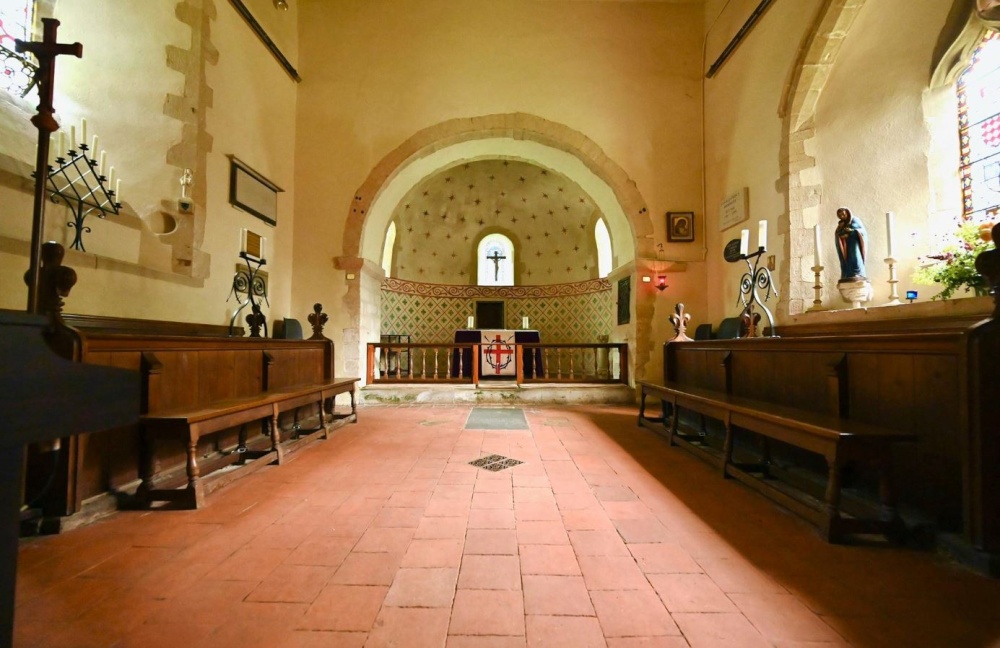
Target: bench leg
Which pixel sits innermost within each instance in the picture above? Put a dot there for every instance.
(642, 406)
(276, 438)
(895, 530)
(194, 475)
(831, 526)
(354, 406)
(147, 466)
(675, 420)
(727, 447)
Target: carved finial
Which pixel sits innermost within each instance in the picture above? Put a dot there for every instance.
(256, 320)
(748, 323)
(318, 320)
(680, 321)
(54, 281)
(988, 265)
(187, 179)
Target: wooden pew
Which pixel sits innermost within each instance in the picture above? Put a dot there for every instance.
(934, 375)
(837, 440)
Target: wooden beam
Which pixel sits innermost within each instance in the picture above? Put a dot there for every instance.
(757, 14)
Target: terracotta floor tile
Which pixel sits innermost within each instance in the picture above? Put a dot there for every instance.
(738, 575)
(249, 564)
(611, 573)
(501, 485)
(456, 641)
(552, 560)
(346, 525)
(465, 477)
(487, 612)
(564, 632)
(634, 510)
(664, 558)
(556, 595)
(292, 584)
(457, 492)
(166, 635)
(690, 593)
(344, 608)
(447, 508)
(490, 572)
(593, 519)
(541, 532)
(574, 501)
(781, 617)
(283, 536)
(440, 528)
(408, 518)
(376, 540)
(491, 541)
(322, 551)
(446, 552)
(643, 530)
(614, 494)
(491, 519)
(409, 628)
(542, 493)
(632, 613)
(529, 511)
(654, 642)
(491, 500)
(424, 587)
(598, 543)
(325, 639)
(367, 569)
(719, 631)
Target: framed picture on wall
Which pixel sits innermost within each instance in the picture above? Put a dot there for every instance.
(680, 227)
(252, 192)
(624, 300)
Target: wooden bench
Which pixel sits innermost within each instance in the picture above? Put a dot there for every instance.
(189, 425)
(837, 440)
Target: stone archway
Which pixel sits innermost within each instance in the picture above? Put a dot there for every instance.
(516, 135)
(798, 110)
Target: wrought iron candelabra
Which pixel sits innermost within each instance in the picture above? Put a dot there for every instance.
(76, 180)
(250, 282)
(757, 278)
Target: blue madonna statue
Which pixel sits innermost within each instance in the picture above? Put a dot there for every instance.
(852, 243)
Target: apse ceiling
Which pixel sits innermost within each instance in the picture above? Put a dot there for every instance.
(550, 218)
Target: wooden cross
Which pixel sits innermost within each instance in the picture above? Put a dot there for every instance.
(496, 259)
(46, 52)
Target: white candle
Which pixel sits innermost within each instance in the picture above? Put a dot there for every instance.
(53, 149)
(111, 176)
(118, 191)
(471, 322)
(263, 248)
(762, 235)
(93, 147)
(61, 150)
(816, 245)
(890, 222)
(524, 322)
(83, 129)
(744, 242)
(104, 158)
(72, 138)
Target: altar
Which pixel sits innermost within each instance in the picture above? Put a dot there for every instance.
(497, 355)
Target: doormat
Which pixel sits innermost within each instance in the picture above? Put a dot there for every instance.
(496, 418)
(495, 463)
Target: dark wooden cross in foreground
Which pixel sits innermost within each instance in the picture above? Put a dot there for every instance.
(46, 52)
(496, 259)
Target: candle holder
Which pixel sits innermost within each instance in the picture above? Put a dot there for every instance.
(756, 278)
(818, 287)
(77, 181)
(893, 293)
(250, 282)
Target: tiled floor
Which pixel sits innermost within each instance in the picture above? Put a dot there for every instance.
(385, 536)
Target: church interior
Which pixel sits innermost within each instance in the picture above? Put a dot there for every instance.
(500, 323)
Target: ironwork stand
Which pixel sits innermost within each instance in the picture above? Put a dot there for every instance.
(818, 287)
(893, 292)
(250, 282)
(77, 180)
(756, 278)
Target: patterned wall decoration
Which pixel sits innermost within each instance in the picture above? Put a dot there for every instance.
(562, 313)
(550, 218)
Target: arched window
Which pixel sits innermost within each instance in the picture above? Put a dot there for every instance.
(390, 242)
(979, 129)
(495, 261)
(16, 70)
(603, 241)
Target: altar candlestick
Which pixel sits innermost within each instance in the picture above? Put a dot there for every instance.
(744, 242)
(762, 235)
(890, 222)
(816, 244)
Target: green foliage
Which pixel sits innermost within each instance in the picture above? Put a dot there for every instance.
(955, 266)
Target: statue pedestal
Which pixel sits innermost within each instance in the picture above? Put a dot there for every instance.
(855, 293)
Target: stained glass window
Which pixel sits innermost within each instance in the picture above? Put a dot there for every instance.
(603, 241)
(16, 70)
(979, 129)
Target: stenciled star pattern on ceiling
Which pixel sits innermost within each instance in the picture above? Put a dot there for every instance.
(549, 217)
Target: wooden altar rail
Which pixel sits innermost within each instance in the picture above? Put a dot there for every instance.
(443, 363)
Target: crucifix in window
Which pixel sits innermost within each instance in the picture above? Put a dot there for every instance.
(496, 259)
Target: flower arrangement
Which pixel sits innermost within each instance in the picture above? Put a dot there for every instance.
(955, 266)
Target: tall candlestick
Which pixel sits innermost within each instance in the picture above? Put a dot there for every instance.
(890, 223)
(762, 234)
(816, 244)
(744, 242)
